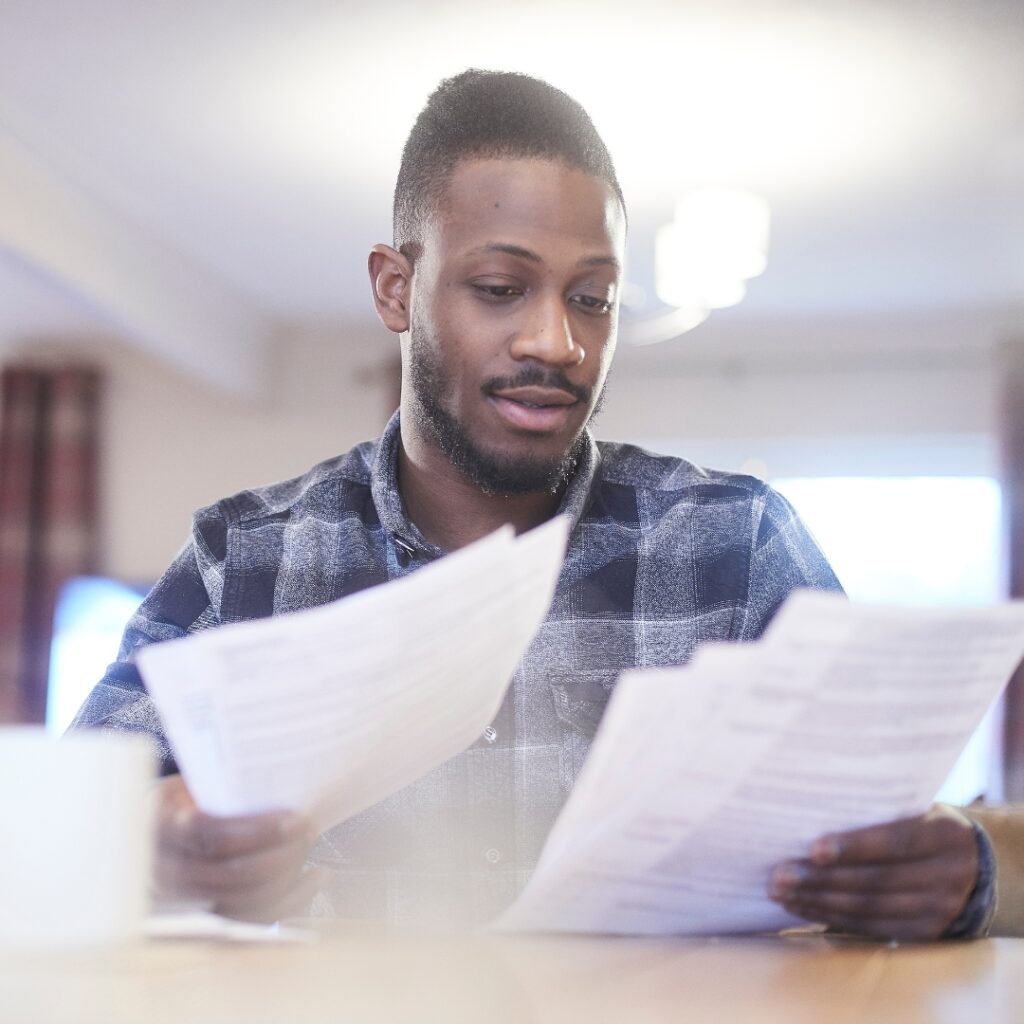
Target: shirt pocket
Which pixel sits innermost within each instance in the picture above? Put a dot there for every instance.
(581, 698)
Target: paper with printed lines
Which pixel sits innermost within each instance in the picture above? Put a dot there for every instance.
(701, 779)
(330, 710)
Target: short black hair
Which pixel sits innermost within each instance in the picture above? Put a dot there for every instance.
(481, 114)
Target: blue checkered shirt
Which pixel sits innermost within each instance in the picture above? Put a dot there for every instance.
(663, 556)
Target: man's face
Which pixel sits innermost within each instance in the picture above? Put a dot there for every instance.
(514, 303)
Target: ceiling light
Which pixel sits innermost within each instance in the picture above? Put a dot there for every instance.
(717, 241)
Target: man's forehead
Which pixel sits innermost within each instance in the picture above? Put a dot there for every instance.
(524, 202)
(523, 253)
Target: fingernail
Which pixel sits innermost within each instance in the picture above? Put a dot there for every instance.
(825, 850)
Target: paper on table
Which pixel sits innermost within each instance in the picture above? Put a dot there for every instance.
(203, 925)
(330, 710)
(842, 716)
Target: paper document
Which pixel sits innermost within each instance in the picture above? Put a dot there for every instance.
(701, 779)
(330, 710)
(207, 926)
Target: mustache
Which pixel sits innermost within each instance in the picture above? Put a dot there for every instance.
(534, 376)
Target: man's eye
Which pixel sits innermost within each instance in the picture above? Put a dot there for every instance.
(498, 291)
(592, 304)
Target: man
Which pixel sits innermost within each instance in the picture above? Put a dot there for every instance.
(503, 283)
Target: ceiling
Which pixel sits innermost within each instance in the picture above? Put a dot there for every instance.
(253, 144)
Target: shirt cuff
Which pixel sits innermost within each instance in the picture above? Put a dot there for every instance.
(976, 917)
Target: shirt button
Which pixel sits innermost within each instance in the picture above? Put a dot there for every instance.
(492, 856)
(490, 734)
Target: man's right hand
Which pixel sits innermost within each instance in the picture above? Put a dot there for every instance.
(248, 867)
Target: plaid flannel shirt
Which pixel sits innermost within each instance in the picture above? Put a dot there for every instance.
(662, 557)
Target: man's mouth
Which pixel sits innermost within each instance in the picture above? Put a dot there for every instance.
(535, 409)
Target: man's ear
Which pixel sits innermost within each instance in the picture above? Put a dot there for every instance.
(390, 279)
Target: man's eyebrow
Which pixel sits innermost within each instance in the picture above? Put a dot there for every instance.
(529, 254)
(511, 250)
(600, 261)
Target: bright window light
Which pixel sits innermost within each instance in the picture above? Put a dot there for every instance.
(916, 541)
(90, 618)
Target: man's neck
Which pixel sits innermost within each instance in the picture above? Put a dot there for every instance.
(451, 511)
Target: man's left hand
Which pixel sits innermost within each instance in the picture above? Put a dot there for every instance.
(908, 879)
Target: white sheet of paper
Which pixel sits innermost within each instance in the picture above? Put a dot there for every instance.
(330, 710)
(842, 716)
(206, 926)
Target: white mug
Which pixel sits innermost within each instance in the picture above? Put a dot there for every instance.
(76, 838)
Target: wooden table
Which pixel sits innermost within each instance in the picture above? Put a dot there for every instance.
(364, 974)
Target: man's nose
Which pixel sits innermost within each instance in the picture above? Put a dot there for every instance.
(548, 337)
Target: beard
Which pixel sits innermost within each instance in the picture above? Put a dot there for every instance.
(494, 472)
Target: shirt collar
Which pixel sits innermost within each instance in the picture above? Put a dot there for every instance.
(388, 500)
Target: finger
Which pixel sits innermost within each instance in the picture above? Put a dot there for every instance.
(829, 907)
(925, 929)
(934, 873)
(237, 876)
(208, 837)
(906, 839)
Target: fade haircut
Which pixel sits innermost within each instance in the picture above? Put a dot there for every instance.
(483, 114)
